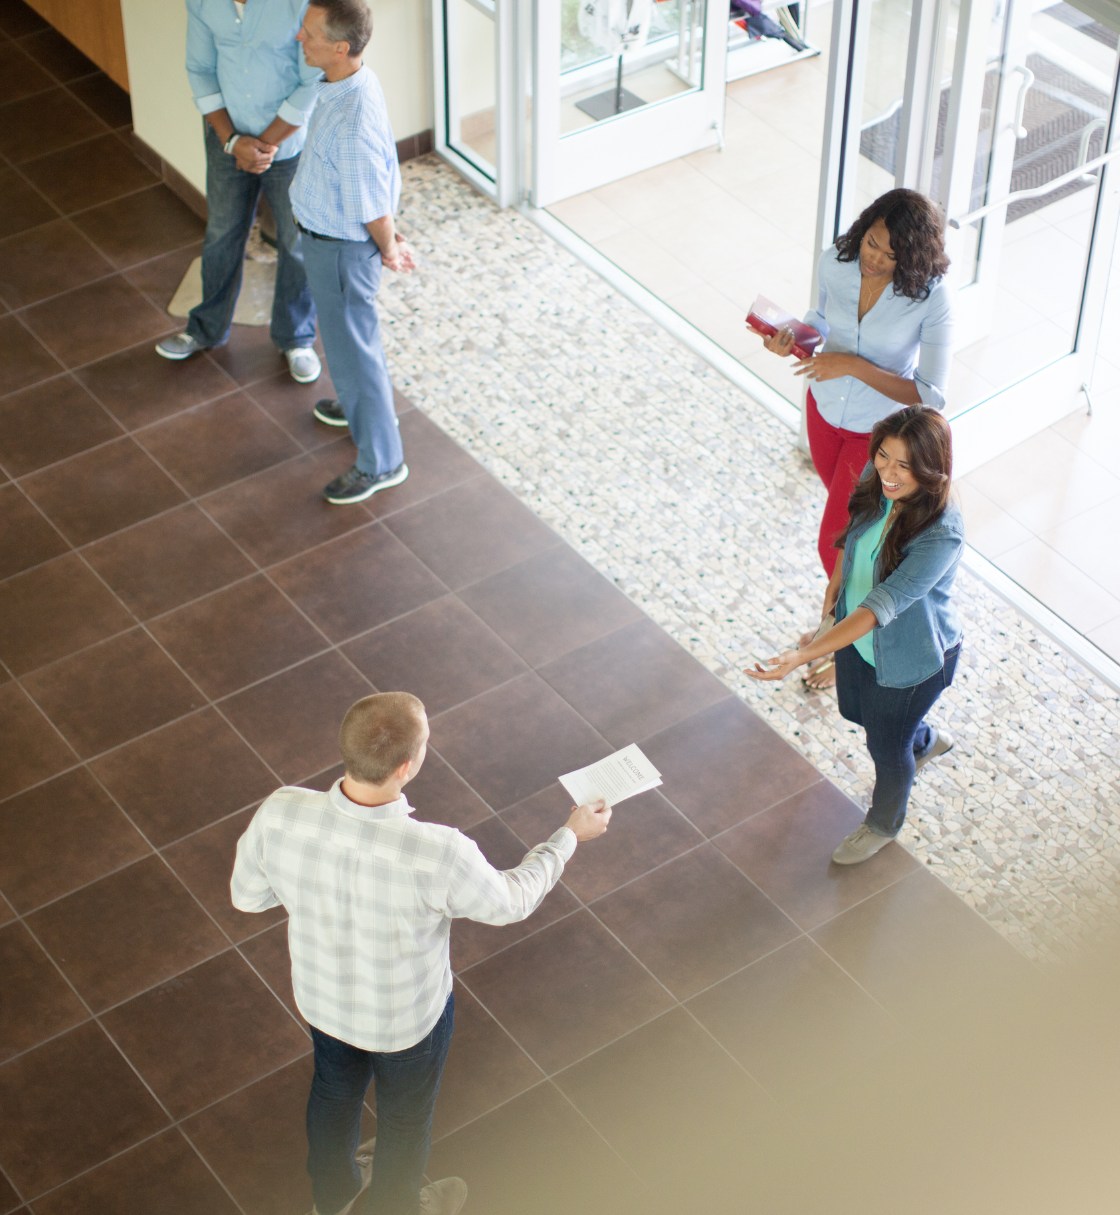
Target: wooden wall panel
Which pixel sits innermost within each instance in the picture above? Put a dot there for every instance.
(94, 27)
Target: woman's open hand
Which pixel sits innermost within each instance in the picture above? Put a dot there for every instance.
(830, 366)
(779, 667)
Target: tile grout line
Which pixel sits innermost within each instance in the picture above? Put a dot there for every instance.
(550, 1077)
(214, 705)
(65, 147)
(141, 623)
(173, 1127)
(198, 501)
(18, 1210)
(108, 792)
(505, 1100)
(114, 271)
(108, 133)
(547, 1079)
(231, 945)
(135, 1071)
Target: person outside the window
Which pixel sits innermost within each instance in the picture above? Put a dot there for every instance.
(256, 92)
(897, 636)
(343, 197)
(886, 313)
(370, 894)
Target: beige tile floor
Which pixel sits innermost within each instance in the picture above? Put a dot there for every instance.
(708, 232)
(1047, 513)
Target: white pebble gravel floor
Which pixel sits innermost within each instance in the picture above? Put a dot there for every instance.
(695, 501)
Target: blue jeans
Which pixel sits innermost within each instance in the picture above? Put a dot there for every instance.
(407, 1083)
(897, 735)
(345, 276)
(231, 201)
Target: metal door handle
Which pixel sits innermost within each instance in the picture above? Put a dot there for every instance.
(1021, 101)
(1087, 130)
(1056, 183)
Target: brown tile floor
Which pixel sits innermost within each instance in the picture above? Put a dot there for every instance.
(183, 622)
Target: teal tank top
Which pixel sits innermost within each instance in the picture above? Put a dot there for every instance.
(862, 578)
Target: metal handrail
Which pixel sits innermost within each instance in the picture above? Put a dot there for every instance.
(874, 122)
(1087, 131)
(1035, 191)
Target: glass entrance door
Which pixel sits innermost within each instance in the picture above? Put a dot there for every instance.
(548, 98)
(1032, 213)
(1025, 213)
(1008, 118)
(621, 86)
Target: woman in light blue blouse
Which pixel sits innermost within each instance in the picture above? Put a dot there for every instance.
(885, 312)
(897, 636)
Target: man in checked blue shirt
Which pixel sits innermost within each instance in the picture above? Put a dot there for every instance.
(343, 197)
(252, 85)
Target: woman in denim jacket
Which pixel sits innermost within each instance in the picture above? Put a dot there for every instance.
(886, 314)
(897, 635)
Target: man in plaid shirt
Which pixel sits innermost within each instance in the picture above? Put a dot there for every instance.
(370, 895)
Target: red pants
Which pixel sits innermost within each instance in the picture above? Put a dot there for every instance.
(839, 457)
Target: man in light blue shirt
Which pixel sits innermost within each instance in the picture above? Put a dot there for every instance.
(250, 81)
(343, 197)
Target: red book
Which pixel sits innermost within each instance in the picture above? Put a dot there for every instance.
(767, 318)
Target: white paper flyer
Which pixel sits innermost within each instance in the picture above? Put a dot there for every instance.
(619, 776)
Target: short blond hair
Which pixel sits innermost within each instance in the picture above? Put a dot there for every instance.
(380, 733)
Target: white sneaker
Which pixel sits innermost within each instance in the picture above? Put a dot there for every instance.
(861, 844)
(444, 1197)
(304, 364)
(179, 346)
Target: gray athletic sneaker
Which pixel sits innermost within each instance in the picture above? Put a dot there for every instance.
(356, 486)
(444, 1197)
(179, 346)
(329, 411)
(861, 844)
(942, 742)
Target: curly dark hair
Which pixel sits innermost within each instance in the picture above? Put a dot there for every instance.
(917, 239)
(929, 444)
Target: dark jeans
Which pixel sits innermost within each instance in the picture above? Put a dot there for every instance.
(231, 201)
(407, 1082)
(345, 276)
(897, 735)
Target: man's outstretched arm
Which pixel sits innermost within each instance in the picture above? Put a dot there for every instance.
(478, 891)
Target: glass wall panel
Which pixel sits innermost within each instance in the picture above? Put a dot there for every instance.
(881, 108)
(471, 83)
(1059, 74)
(621, 55)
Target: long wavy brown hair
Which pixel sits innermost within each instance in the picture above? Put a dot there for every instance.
(917, 240)
(929, 447)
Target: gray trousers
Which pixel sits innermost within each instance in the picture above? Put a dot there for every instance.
(344, 277)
